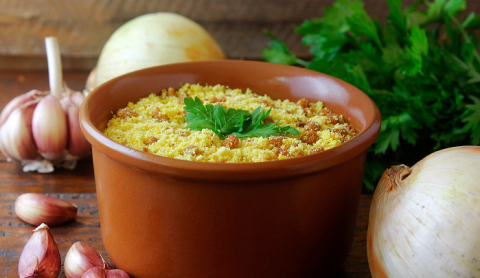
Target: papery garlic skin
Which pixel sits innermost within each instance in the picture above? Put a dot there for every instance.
(16, 135)
(17, 102)
(151, 40)
(35, 208)
(425, 220)
(49, 127)
(99, 272)
(40, 256)
(80, 258)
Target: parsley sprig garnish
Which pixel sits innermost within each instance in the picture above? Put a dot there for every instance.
(421, 66)
(223, 122)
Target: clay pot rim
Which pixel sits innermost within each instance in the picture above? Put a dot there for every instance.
(151, 163)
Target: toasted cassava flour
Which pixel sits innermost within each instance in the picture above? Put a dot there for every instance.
(156, 124)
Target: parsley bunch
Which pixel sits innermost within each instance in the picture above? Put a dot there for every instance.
(421, 68)
(223, 122)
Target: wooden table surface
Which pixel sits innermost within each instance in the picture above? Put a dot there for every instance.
(78, 186)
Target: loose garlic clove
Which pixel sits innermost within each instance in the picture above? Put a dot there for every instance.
(35, 209)
(99, 272)
(80, 258)
(49, 127)
(17, 102)
(16, 135)
(77, 143)
(40, 256)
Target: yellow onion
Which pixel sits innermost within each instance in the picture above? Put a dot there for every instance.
(41, 130)
(151, 40)
(425, 220)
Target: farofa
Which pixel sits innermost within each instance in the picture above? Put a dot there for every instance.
(156, 124)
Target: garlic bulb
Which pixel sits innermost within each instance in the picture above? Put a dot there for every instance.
(80, 258)
(35, 208)
(425, 220)
(151, 40)
(42, 129)
(40, 256)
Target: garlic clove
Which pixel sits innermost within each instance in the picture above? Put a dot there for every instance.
(16, 135)
(35, 209)
(40, 256)
(80, 258)
(17, 102)
(99, 272)
(49, 127)
(77, 98)
(78, 145)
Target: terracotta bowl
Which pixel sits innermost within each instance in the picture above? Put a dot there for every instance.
(163, 217)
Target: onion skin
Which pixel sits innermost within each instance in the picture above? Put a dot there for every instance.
(425, 220)
(152, 40)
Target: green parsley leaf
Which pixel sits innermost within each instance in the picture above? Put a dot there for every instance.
(421, 68)
(278, 52)
(229, 121)
(223, 122)
(359, 21)
(397, 17)
(199, 117)
(473, 119)
(472, 21)
(455, 6)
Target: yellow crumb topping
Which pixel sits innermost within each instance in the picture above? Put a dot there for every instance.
(156, 124)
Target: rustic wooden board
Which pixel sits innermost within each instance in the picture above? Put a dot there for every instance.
(86, 227)
(83, 27)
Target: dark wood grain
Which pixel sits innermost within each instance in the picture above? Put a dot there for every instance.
(14, 234)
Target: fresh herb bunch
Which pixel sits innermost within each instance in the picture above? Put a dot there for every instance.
(421, 68)
(223, 122)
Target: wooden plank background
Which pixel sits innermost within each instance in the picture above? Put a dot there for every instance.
(83, 27)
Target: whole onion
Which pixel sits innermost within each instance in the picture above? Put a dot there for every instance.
(152, 40)
(425, 220)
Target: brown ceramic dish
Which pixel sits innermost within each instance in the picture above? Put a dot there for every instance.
(162, 217)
